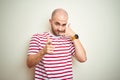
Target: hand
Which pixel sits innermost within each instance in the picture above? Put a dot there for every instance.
(69, 32)
(49, 47)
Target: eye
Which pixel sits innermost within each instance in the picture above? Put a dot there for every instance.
(57, 23)
(64, 25)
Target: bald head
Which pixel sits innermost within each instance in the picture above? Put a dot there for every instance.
(59, 12)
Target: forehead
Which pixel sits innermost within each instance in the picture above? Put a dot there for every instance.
(60, 18)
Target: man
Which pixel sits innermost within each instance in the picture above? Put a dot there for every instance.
(51, 52)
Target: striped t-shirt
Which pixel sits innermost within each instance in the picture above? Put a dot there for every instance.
(57, 65)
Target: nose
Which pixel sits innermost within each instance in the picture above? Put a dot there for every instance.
(60, 28)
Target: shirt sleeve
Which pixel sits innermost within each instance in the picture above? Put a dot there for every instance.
(34, 44)
(72, 48)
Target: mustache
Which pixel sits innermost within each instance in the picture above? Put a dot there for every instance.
(61, 31)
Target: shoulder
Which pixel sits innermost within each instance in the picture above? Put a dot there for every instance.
(40, 35)
(68, 39)
(37, 37)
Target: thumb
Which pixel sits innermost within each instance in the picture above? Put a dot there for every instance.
(68, 24)
(67, 28)
(49, 41)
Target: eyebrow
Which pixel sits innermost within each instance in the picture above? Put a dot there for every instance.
(60, 24)
(64, 24)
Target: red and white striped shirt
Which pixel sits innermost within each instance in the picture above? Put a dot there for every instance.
(55, 66)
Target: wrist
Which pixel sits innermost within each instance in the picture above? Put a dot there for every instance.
(42, 52)
(75, 36)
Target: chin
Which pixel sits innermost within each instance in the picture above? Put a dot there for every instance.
(60, 34)
(57, 34)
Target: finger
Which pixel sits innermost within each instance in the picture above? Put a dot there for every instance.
(68, 24)
(50, 52)
(50, 49)
(49, 41)
(67, 29)
(50, 46)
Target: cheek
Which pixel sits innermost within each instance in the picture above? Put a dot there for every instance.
(64, 28)
(54, 28)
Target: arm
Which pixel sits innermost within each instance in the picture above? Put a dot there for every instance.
(80, 53)
(33, 59)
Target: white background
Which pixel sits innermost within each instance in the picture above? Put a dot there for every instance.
(96, 21)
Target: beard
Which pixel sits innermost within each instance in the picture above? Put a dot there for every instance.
(58, 33)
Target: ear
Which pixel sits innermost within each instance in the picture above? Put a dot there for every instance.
(50, 21)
